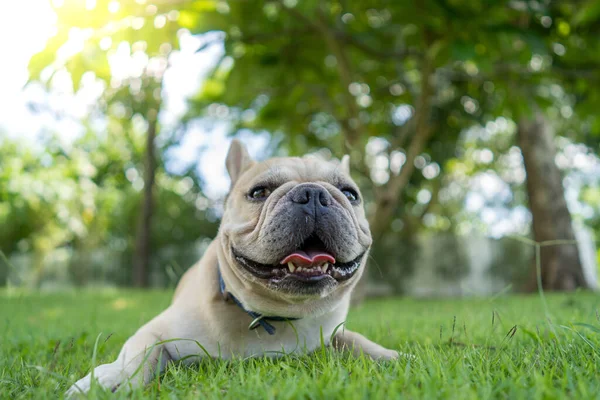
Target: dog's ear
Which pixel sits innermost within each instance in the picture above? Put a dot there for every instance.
(238, 160)
(345, 164)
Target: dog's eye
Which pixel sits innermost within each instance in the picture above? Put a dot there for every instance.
(259, 193)
(350, 194)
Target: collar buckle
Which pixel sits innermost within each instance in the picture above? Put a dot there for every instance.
(256, 322)
(258, 319)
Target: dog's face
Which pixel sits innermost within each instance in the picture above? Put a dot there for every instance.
(294, 227)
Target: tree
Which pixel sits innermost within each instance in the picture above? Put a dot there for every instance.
(142, 249)
(150, 34)
(575, 70)
(395, 84)
(336, 72)
(560, 264)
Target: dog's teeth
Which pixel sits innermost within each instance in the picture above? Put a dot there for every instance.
(336, 274)
(291, 266)
(324, 267)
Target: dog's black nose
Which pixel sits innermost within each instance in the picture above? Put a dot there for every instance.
(312, 198)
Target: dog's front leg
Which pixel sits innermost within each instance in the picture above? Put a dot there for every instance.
(141, 357)
(345, 340)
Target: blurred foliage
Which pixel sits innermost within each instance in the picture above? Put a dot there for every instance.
(86, 196)
(343, 75)
(432, 86)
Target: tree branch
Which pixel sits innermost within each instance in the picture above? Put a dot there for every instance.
(352, 133)
(522, 71)
(263, 37)
(209, 43)
(389, 197)
(319, 25)
(365, 48)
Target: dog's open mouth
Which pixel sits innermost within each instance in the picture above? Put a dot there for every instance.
(310, 263)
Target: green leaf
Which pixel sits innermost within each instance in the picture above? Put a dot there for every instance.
(588, 13)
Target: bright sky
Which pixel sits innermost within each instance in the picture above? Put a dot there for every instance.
(20, 38)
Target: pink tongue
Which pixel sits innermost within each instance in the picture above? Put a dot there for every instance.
(310, 258)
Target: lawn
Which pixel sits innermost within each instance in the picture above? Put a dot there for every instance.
(503, 347)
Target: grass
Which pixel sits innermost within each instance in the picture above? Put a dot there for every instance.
(504, 347)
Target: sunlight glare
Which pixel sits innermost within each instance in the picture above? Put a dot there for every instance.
(90, 4)
(114, 6)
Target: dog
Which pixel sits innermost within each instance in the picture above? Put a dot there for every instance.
(277, 279)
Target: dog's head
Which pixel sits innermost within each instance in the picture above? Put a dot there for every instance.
(293, 229)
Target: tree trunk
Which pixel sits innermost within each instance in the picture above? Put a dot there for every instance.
(387, 198)
(560, 265)
(4, 269)
(142, 251)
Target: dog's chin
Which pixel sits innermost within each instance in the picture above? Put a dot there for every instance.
(308, 280)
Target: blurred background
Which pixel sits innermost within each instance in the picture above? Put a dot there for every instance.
(473, 128)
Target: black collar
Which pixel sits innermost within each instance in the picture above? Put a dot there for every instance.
(257, 319)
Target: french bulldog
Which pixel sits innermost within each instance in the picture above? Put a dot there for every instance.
(277, 279)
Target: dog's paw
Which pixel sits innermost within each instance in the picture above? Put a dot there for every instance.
(407, 356)
(81, 387)
(389, 355)
(107, 376)
(386, 355)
